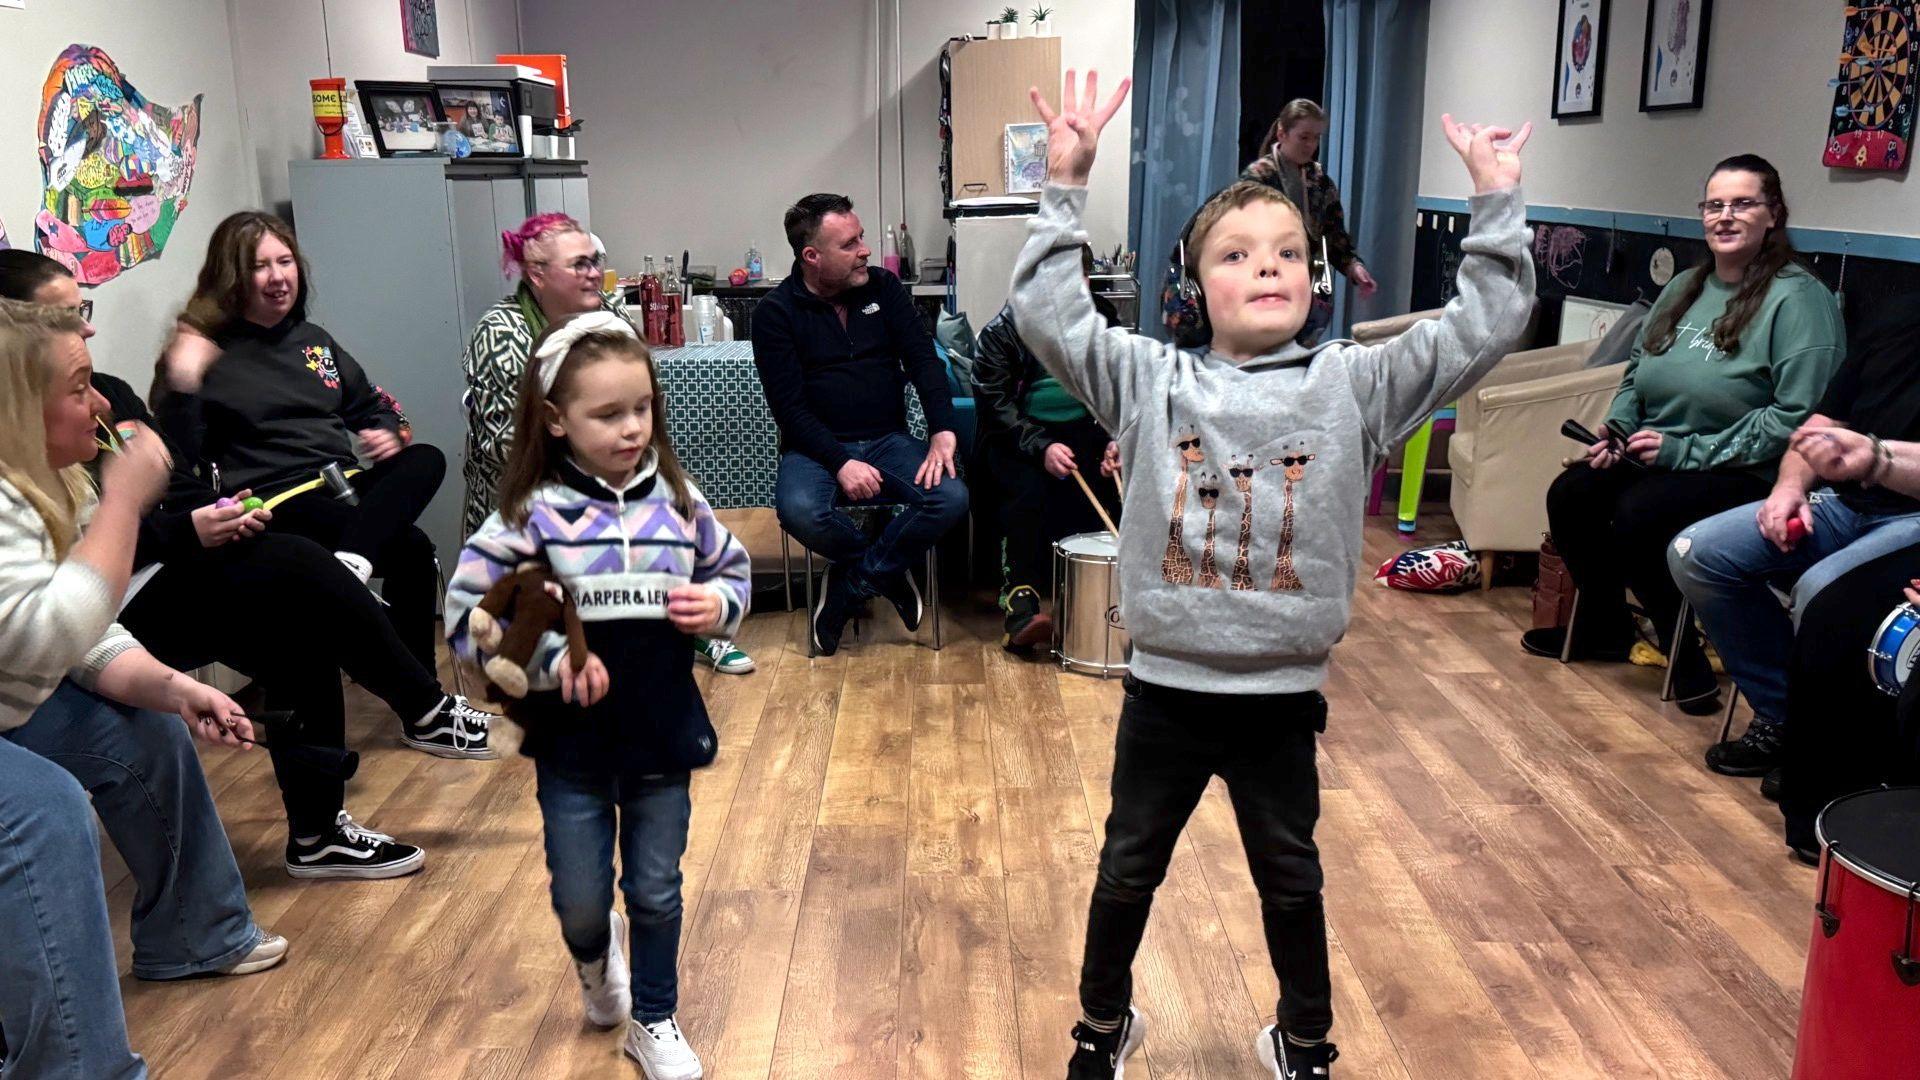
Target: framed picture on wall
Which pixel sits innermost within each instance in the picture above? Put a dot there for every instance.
(1673, 63)
(1579, 59)
(484, 114)
(400, 116)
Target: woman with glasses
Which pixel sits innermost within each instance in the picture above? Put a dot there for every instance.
(560, 269)
(262, 400)
(1733, 358)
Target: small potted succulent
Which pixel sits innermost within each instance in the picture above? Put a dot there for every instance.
(1042, 18)
(1009, 23)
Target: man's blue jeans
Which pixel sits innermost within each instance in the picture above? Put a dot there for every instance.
(1733, 577)
(810, 504)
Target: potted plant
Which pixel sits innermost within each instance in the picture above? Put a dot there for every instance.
(1009, 23)
(1042, 21)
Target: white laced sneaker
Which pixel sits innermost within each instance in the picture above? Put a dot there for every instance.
(454, 729)
(605, 984)
(662, 1051)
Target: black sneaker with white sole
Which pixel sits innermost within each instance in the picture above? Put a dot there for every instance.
(904, 595)
(839, 598)
(1291, 1062)
(1102, 1055)
(453, 730)
(349, 850)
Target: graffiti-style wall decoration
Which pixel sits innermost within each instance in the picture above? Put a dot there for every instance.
(116, 167)
(420, 27)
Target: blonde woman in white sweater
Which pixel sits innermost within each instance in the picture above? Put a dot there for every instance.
(83, 712)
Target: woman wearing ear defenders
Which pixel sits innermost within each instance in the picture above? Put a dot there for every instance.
(1732, 359)
(1293, 143)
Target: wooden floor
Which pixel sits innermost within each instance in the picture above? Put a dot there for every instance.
(1529, 874)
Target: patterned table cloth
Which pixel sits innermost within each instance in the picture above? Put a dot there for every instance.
(718, 419)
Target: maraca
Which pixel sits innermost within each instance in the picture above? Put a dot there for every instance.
(1796, 530)
(254, 502)
(224, 503)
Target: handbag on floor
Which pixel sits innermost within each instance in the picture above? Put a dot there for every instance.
(1552, 589)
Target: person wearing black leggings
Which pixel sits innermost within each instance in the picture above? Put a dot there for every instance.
(211, 584)
(265, 401)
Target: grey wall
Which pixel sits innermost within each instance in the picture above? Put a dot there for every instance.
(1767, 69)
(704, 121)
(280, 44)
(170, 50)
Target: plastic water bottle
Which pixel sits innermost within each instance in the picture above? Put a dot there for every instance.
(890, 252)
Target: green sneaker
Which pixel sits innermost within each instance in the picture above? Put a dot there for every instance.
(722, 656)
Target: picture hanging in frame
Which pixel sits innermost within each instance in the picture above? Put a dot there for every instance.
(400, 116)
(1673, 62)
(420, 28)
(1579, 59)
(484, 114)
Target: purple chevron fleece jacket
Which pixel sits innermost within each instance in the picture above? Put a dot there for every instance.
(619, 553)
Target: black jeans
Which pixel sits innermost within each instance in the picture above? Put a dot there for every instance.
(284, 611)
(1171, 743)
(381, 530)
(1612, 526)
(1037, 508)
(1842, 733)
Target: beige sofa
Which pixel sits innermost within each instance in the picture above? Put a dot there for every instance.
(1507, 447)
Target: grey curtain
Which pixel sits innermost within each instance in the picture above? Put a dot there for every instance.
(1376, 108)
(1186, 127)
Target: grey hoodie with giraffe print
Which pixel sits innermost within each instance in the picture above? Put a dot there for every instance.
(1288, 441)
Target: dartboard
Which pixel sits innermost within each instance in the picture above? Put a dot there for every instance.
(1878, 69)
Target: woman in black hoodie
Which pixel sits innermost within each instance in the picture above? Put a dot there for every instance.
(210, 584)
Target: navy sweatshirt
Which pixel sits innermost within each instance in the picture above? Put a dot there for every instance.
(281, 403)
(828, 384)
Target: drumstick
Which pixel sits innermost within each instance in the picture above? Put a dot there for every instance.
(1097, 508)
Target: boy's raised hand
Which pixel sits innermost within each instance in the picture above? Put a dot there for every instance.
(1493, 166)
(1074, 132)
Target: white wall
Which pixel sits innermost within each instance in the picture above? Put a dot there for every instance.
(1767, 70)
(169, 50)
(281, 44)
(705, 121)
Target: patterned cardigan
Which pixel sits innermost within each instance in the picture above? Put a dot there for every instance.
(495, 358)
(1320, 202)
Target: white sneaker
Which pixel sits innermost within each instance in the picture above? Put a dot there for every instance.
(662, 1051)
(267, 952)
(605, 984)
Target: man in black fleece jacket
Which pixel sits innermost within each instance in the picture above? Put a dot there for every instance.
(836, 344)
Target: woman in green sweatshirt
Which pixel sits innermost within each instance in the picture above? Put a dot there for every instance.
(1734, 357)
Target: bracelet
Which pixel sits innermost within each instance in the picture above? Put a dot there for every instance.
(1882, 463)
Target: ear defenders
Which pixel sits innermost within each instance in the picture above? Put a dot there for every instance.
(1183, 304)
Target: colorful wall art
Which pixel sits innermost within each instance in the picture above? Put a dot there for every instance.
(116, 167)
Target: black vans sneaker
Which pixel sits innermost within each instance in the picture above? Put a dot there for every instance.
(839, 597)
(1290, 1062)
(350, 851)
(454, 730)
(904, 595)
(1101, 1055)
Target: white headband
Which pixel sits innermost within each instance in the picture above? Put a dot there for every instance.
(561, 340)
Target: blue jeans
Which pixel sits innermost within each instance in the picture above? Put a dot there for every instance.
(60, 1013)
(579, 811)
(1729, 572)
(808, 499)
(190, 912)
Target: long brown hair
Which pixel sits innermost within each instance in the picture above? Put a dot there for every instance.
(537, 452)
(1290, 114)
(1775, 255)
(226, 277)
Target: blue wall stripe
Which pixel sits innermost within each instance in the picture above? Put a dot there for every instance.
(1835, 241)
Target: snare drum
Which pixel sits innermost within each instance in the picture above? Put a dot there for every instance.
(1860, 1007)
(1890, 656)
(1088, 633)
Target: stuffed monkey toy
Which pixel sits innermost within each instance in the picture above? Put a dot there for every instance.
(532, 601)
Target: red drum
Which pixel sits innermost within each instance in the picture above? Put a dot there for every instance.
(1860, 1008)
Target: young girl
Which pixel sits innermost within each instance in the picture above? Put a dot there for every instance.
(593, 490)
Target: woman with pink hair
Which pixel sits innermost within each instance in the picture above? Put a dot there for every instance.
(560, 270)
